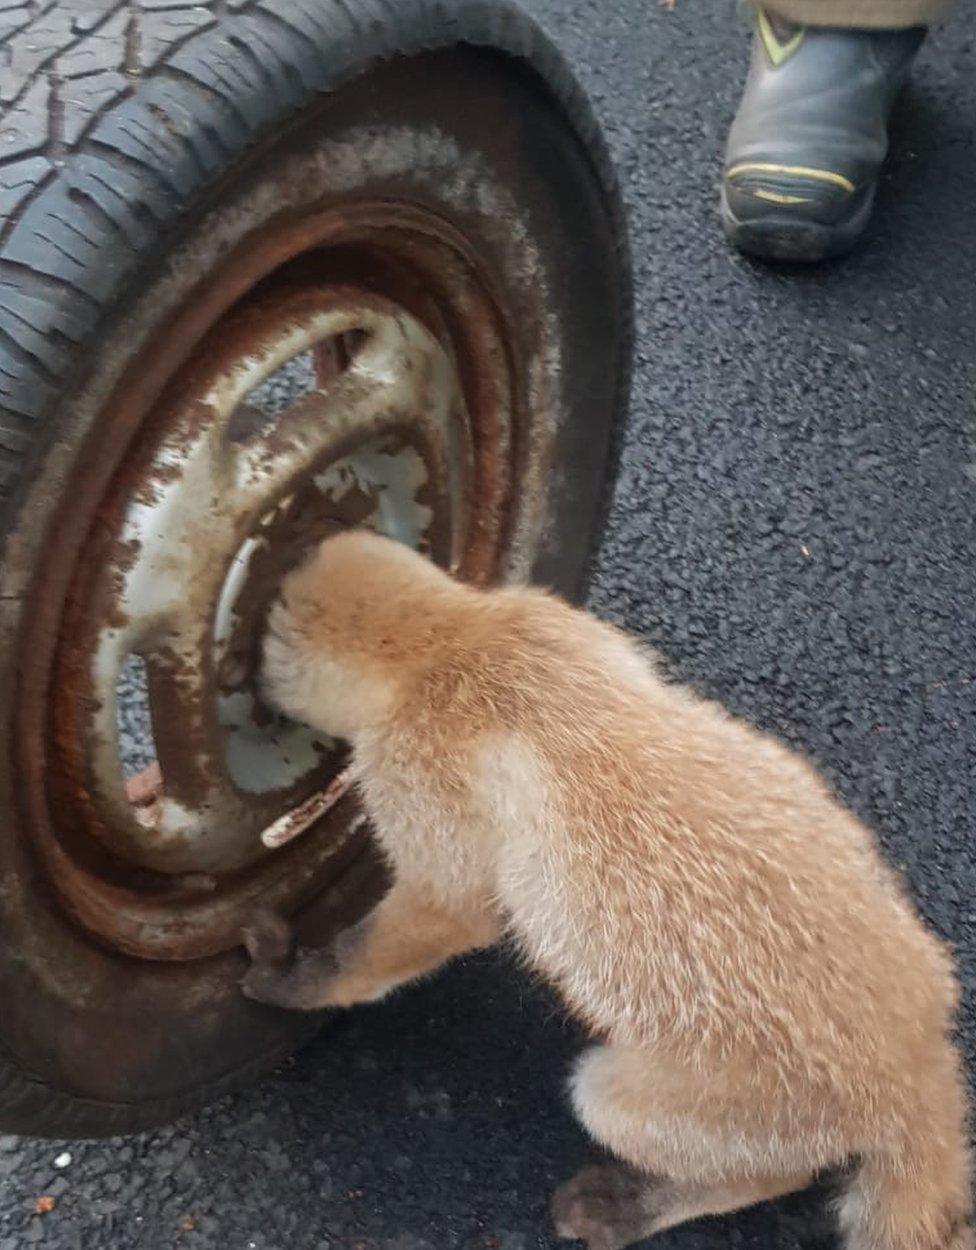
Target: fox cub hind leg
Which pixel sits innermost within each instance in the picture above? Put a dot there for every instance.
(609, 1206)
(679, 1166)
(690, 1155)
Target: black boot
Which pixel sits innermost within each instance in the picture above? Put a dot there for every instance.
(810, 135)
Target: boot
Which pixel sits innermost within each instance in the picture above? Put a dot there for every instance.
(807, 143)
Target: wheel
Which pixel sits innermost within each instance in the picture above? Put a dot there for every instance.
(267, 268)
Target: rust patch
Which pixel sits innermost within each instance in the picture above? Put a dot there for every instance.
(184, 727)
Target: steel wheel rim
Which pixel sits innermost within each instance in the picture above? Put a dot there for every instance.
(167, 905)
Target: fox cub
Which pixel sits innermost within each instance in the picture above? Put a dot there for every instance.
(764, 1000)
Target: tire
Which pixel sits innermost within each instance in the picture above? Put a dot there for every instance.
(142, 147)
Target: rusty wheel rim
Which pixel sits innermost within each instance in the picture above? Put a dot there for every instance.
(407, 421)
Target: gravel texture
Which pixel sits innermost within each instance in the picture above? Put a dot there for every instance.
(794, 530)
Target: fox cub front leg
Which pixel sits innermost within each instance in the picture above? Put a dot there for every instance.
(405, 936)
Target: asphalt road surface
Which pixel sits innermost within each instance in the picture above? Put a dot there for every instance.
(794, 530)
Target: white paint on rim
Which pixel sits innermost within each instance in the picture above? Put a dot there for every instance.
(187, 542)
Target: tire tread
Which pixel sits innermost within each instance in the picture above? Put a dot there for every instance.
(83, 98)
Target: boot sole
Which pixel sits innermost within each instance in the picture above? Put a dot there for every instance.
(787, 237)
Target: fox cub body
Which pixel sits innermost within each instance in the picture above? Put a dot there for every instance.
(766, 1003)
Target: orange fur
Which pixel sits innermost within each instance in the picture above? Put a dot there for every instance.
(768, 1003)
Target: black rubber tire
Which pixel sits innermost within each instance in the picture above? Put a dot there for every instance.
(129, 130)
